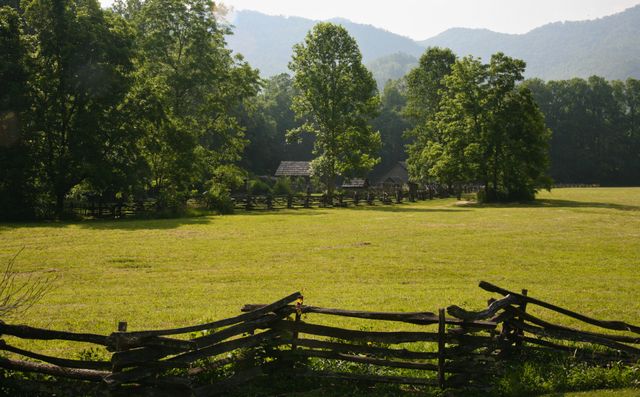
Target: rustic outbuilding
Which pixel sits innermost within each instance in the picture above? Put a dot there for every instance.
(294, 169)
(355, 184)
(396, 177)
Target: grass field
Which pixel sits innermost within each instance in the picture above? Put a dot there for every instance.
(579, 248)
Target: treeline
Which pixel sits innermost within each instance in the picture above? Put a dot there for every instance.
(145, 100)
(596, 129)
(594, 123)
(141, 100)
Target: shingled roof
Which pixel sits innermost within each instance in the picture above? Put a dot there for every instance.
(356, 183)
(294, 168)
(398, 174)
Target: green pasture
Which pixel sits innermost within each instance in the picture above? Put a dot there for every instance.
(579, 248)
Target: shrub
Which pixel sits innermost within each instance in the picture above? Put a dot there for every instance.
(282, 187)
(257, 187)
(219, 199)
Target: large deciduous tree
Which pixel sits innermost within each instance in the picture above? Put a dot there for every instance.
(79, 61)
(16, 182)
(487, 129)
(337, 97)
(424, 86)
(189, 90)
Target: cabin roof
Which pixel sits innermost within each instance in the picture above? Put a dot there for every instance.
(294, 168)
(355, 183)
(397, 174)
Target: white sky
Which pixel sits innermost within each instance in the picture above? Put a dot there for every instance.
(421, 19)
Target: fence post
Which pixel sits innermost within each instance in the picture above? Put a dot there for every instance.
(441, 346)
(294, 337)
(519, 334)
(269, 202)
(122, 327)
(289, 201)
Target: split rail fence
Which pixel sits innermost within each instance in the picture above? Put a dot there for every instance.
(459, 350)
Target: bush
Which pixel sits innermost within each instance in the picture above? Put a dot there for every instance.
(282, 187)
(257, 187)
(219, 199)
(171, 203)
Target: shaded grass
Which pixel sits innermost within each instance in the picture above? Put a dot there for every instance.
(578, 248)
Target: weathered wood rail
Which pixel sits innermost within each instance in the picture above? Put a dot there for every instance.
(429, 349)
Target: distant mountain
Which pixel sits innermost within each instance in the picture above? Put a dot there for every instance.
(607, 47)
(266, 41)
(392, 67)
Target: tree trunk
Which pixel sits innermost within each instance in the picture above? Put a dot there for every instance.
(331, 181)
(59, 204)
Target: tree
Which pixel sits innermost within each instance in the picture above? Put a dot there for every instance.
(424, 86)
(336, 98)
(595, 124)
(189, 91)
(79, 61)
(392, 124)
(267, 119)
(16, 182)
(487, 129)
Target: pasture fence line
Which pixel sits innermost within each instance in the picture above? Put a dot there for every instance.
(451, 348)
(105, 209)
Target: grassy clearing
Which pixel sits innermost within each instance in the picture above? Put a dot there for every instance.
(576, 247)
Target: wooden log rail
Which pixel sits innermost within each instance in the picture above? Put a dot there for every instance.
(612, 325)
(461, 349)
(518, 323)
(420, 318)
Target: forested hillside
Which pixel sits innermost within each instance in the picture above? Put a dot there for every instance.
(606, 47)
(266, 40)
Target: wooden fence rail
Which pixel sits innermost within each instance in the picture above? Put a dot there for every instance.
(456, 350)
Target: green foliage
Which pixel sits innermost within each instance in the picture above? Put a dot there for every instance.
(596, 129)
(79, 60)
(257, 187)
(336, 99)
(534, 374)
(219, 199)
(391, 67)
(392, 124)
(268, 118)
(425, 84)
(481, 127)
(187, 87)
(282, 187)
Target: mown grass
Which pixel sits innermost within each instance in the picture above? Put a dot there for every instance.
(578, 248)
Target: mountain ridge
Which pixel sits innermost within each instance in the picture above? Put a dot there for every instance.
(605, 46)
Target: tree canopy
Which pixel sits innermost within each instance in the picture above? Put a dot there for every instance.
(485, 128)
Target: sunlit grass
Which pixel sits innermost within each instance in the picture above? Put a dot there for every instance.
(578, 248)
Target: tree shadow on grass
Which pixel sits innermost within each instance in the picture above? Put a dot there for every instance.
(114, 224)
(407, 208)
(134, 223)
(282, 211)
(555, 203)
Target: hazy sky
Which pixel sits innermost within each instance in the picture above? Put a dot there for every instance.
(421, 19)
